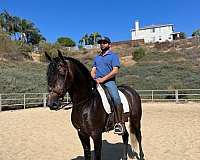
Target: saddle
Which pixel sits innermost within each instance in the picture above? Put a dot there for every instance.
(111, 119)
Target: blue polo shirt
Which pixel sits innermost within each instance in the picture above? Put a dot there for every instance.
(104, 63)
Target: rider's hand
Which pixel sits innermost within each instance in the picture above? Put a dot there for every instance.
(100, 80)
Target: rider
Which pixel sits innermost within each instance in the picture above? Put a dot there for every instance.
(105, 67)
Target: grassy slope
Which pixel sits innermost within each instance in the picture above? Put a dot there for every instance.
(21, 77)
(154, 71)
(164, 71)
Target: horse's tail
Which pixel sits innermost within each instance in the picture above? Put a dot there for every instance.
(133, 138)
(134, 119)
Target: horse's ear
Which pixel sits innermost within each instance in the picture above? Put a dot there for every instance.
(47, 56)
(61, 56)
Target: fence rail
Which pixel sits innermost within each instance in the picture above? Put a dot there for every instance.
(24, 100)
(29, 100)
(176, 95)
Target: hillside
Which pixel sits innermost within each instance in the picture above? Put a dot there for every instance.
(156, 70)
(19, 77)
(159, 70)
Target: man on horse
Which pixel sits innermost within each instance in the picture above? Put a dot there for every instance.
(105, 68)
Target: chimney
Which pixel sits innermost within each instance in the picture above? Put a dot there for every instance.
(137, 25)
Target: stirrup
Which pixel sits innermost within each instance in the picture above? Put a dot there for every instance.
(118, 129)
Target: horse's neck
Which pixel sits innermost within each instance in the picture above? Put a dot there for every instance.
(82, 85)
(80, 92)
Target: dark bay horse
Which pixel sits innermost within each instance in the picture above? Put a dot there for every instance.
(66, 74)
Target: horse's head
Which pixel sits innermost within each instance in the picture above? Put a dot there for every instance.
(60, 77)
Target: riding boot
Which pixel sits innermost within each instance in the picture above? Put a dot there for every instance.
(119, 127)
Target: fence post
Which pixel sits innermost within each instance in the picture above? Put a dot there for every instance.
(0, 104)
(44, 100)
(24, 101)
(152, 95)
(176, 95)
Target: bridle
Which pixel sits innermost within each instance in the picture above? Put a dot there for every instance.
(66, 88)
(73, 105)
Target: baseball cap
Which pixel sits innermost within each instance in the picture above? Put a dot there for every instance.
(104, 39)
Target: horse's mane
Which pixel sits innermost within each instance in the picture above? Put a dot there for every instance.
(83, 70)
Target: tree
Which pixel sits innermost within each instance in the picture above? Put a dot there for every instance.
(89, 40)
(182, 35)
(26, 29)
(81, 42)
(196, 33)
(84, 40)
(35, 38)
(94, 36)
(21, 29)
(6, 21)
(66, 42)
(16, 27)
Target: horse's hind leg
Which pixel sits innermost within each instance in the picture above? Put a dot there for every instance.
(139, 139)
(97, 138)
(125, 140)
(85, 140)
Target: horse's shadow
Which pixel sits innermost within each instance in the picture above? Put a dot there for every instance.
(111, 150)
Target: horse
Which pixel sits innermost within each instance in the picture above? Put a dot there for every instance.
(88, 116)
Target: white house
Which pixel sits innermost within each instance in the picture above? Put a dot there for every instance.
(154, 33)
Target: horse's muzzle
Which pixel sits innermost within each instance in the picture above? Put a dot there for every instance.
(54, 106)
(53, 101)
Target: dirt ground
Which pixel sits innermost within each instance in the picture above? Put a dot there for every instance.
(170, 132)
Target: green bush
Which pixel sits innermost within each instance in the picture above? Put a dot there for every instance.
(196, 33)
(66, 42)
(138, 53)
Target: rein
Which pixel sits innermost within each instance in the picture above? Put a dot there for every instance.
(63, 106)
(84, 101)
(80, 103)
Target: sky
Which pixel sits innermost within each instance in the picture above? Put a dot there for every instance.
(112, 18)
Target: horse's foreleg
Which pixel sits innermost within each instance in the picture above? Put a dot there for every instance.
(125, 140)
(85, 140)
(97, 138)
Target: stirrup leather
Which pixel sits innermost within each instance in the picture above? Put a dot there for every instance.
(118, 129)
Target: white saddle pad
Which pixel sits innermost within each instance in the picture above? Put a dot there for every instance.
(106, 103)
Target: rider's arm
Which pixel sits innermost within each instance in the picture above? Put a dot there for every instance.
(112, 74)
(109, 75)
(93, 72)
